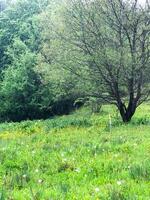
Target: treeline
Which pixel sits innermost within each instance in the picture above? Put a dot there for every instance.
(54, 52)
(32, 85)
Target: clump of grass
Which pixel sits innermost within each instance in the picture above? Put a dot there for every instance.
(65, 166)
(117, 194)
(62, 122)
(140, 171)
(141, 121)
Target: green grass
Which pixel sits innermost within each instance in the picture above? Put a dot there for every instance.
(76, 157)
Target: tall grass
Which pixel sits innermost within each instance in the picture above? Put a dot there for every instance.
(76, 157)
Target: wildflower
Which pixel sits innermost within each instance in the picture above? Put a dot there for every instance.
(77, 170)
(65, 160)
(116, 155)
(36, 170)
(33, 152)
(24, 175)
(120, 182)
(40, 181)
(97, 189)
(62, 154)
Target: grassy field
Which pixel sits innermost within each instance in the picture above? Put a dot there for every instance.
(76, 157)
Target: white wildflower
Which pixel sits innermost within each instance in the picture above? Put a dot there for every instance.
(116, 155)
(62, 154)
(77, 170)
(40, 181)
(120, 182)
(24, 175)
(97, 189)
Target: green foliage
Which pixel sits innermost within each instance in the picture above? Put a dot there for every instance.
(20, 97)
(46, 65)
(16, 21)
(31, 86)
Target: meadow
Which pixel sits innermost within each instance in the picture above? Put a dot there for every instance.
(77, 157)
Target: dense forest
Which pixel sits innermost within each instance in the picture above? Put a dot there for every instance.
(56, 55)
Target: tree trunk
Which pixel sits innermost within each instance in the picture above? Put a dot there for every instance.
(127, 116)
(127, 113)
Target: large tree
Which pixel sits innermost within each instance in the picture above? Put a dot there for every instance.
(113, 38)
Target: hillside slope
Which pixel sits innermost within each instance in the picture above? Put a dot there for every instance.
(76, 157)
